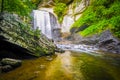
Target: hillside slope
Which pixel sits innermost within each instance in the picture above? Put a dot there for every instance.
(100, 15)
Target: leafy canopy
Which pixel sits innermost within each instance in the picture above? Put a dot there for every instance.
(60, 10)
(20, 7)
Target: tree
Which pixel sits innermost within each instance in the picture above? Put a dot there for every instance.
(60, 10)
(20, 7)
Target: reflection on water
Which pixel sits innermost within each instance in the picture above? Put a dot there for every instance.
(60, 68)
(68, 66)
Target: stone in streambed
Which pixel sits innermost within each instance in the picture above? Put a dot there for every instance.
(108, 42)
(6, 68)
(12, 62)
(59, 50)
(41, 66)
(48, 58)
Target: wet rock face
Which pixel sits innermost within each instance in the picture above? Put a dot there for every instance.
(108, 42)
(107, 36)
(77, 39)
(78, 29)
(105, 42)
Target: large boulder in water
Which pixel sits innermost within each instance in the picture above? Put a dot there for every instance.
(6, 68)
(107, 42)
(77, 39)
(20, 39)
(8, 64)
(59, 50)
(11, 62)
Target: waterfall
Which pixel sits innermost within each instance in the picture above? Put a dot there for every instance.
(66, 24)
(47, 23)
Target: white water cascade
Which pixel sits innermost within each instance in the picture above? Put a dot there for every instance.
(47, 23)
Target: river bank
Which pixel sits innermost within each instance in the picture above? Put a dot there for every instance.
(106, 41)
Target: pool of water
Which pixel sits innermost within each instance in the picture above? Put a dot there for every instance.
(68, 66)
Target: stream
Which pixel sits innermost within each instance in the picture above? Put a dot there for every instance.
(70, 65)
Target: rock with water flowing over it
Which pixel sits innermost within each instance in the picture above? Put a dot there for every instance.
(47, 23)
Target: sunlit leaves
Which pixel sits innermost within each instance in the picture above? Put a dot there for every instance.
(100, 15)
(20, 7)
(60, 10)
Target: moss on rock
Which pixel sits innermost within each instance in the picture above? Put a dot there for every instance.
(15, 31)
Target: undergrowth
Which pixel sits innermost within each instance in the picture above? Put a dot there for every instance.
(99, 16)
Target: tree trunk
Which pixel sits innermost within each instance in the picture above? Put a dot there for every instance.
(2, 6)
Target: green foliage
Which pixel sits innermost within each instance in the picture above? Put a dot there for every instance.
(100, 15)
(87, 18)
(115, 24)
(37, 33)
(34, 41)
(36, 2)
(60, 10)
(95, 28)
(20, 7)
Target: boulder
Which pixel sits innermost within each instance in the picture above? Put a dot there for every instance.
(59, 50)
(77, 39)
(12, 62)
(107, 42)
(49, 58)
(6, 68)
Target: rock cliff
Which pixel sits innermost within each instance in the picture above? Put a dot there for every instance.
(18, 38)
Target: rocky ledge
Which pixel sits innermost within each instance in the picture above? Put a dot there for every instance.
(18, 39)
(105, 41)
